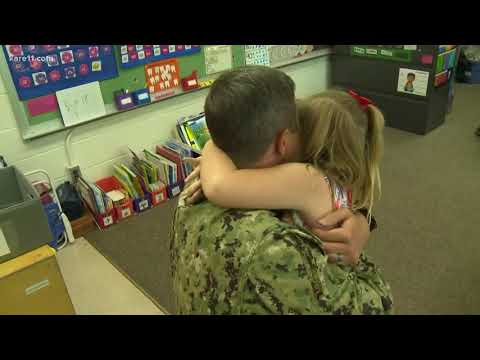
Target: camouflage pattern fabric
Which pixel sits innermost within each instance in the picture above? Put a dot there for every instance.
(229, 261)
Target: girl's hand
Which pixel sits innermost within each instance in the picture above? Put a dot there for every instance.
(345, 242)
(193, 191)
(287, 217)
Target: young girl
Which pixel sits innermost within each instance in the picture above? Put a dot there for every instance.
(341, 140)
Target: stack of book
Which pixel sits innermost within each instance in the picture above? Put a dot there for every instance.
(99, 203)
(169, 159)
(96, 199)
(142, 181)
(193, 131)
(130, 181)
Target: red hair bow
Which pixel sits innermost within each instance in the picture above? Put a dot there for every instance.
(362, 101)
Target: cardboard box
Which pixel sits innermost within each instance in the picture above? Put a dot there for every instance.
(83, 225)
(32, 284)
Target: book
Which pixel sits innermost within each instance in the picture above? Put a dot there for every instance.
(108, 202)
(117, 197)
(175, 157)
(160, 171)
(183, 134)
(134, 178)
(143, 169)
(184, 151)
(197, 131)
(168, 166)
(124, 180)
(158, 165)
(193, 131)
(150, 171)
(87, 194)
(98, 196)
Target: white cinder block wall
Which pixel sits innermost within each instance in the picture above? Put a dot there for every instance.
(98, 145)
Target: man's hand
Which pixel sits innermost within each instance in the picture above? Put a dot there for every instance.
(193, 191)
(345, 242)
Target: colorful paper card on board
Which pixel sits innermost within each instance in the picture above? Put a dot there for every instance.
(39, 70)
(42, 105)
(426, 59)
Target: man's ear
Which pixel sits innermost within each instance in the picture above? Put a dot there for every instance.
(281, 143)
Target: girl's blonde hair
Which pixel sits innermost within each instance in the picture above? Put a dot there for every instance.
(345, 141)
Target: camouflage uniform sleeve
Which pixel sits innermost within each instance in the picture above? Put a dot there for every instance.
(289, 274)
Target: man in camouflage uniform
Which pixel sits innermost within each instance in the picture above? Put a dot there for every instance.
(230, 261)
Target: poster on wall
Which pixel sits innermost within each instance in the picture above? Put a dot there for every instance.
(39, 70)
(413, 82)
(218, 58)
(81, 103)
(257, 55)
(163, 78)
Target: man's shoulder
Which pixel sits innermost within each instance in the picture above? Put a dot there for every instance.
(206, 214)
(258, 230)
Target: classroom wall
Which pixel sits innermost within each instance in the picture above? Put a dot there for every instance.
(99, 145)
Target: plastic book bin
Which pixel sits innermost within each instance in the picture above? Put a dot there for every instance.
(105, 220)
(158, 197)
(123, 210)
(175, 189)
(142, 203)
(102, 220)
(23, 222)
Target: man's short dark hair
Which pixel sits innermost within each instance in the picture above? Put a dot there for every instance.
(411, 74)
(246, 108)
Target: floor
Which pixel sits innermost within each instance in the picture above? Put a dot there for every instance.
(139, 247)
(96, 287)
(428, 239)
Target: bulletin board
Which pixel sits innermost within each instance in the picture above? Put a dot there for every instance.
(112, 76)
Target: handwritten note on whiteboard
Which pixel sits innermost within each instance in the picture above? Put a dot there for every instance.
(81, 103)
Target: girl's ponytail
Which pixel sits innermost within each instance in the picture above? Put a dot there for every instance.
(373, 152)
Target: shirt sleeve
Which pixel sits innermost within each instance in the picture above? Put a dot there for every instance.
(289, 274)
